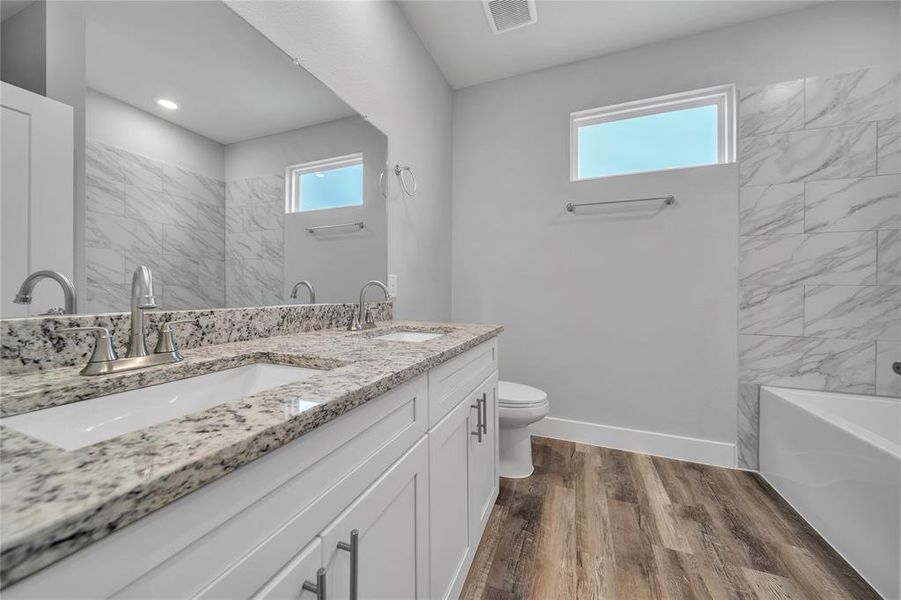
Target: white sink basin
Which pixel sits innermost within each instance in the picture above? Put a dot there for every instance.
(80, 424)
(408, 336)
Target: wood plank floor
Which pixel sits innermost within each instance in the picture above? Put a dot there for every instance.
(598, 523)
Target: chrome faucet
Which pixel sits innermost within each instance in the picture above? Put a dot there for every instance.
(361, 319)
(309, 287)
(23, 296)
(141, 299)
(104, 359)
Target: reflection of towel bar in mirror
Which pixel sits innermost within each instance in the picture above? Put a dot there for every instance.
(667, 201)
(357, 224)
(399, 171)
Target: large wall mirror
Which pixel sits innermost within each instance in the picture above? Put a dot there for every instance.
(214, 159)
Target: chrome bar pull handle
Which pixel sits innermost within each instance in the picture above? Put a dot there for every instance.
(317, 588)
(478, 431)
(354, 548)
(483, 401)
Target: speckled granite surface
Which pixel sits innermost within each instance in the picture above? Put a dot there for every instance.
(29, 344)
(55, 502)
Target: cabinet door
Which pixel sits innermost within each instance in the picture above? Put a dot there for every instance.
(289, 582)
(449, 541)
(391, 521)
(483, 475)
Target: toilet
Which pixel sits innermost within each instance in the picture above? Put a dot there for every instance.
(518, 407)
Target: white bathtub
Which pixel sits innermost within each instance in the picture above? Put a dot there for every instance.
(836, 458)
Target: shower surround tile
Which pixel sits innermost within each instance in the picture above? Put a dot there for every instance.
(180, 297)
(187, 184)
(136, 213)
(102, 162)
(809, 363)
(820, 262)
(888, 141)
(193, 242)
(782, 261)
(167, 269)
(831, 153)
(853, 312)
(105, 266)
(771, 209)
(140, 171)
(158, 207)
(771, 311)
(748, 425)
(889, 266)
(774, 108)
(104, 196)
(863, 95)
(888, 383)
(121, 233)
(853, 204)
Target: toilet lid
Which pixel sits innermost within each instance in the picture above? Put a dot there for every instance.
(517, 394)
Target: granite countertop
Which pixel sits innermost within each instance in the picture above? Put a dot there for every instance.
(54, 502)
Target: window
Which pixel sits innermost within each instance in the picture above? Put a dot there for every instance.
(330, 183)
(689, 129)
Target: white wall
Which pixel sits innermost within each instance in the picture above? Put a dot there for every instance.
(370, 56)
(122, 125)
(627, 320)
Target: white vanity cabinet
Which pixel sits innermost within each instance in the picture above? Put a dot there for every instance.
(417, 499)
(463, 485)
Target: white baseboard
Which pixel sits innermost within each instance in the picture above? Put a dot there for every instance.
(690, 449)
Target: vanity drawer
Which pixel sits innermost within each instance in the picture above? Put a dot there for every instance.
(452, 381)
(230, 537)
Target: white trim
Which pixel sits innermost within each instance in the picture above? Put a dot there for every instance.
(292, 194)
(721, 96)
(709, 452)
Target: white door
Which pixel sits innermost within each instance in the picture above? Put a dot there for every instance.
(36, 196)
(449, 445)
(391, 523)
(483, 475)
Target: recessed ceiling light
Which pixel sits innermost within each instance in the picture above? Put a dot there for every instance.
(166, 103)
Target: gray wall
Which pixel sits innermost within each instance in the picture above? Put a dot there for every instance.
(370, 56)
(621, 317)
(23, 49)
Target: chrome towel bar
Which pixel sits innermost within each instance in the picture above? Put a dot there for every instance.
(667, 201)
(357, 224)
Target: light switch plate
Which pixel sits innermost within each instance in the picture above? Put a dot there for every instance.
(392, 286)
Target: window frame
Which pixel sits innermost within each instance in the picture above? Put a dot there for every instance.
(294, 172)
(721, 96)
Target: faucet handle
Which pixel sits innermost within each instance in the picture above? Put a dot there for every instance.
(165, 344)
(103, 343)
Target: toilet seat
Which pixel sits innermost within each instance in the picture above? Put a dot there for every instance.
(517, 395)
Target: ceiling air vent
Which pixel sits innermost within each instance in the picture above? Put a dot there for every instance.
(506, 15)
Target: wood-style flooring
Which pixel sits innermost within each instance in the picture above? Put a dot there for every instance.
(598, 523)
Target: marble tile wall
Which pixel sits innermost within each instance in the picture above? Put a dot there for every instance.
(820, 238)
(144, 212)
(254, 241)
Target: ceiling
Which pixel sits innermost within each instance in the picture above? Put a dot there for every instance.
(457, 34)
(230, 82)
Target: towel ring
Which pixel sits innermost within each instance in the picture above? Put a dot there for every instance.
(399, 171)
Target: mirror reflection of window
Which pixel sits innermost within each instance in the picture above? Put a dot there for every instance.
(323, 184)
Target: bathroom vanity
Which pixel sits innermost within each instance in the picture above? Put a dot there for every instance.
(372, 477)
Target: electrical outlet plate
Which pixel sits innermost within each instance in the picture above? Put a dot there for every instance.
(392, 286)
